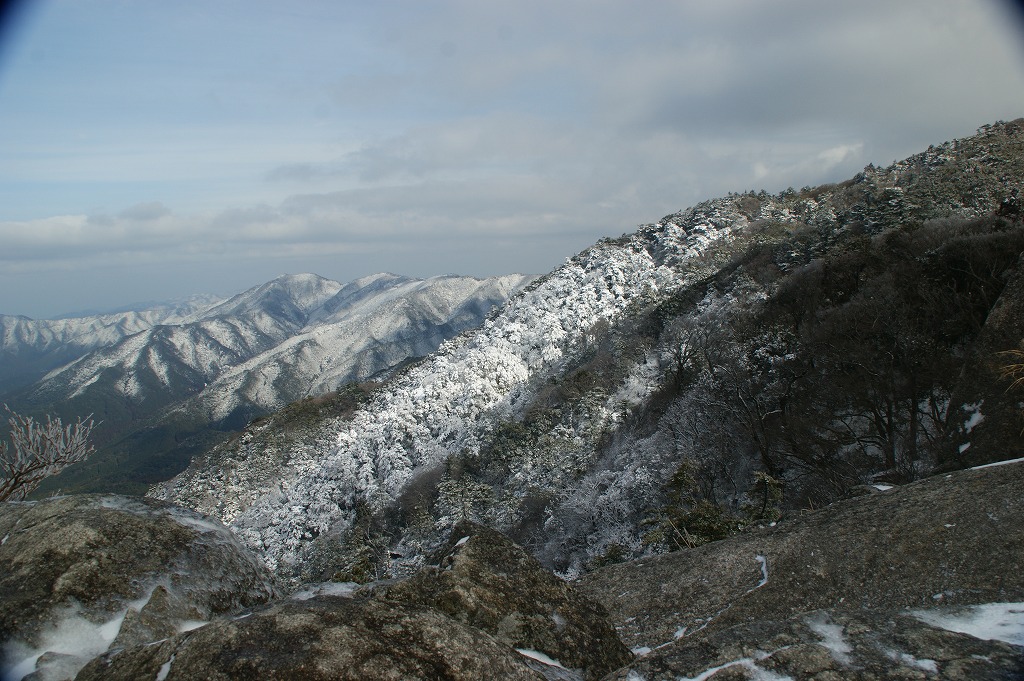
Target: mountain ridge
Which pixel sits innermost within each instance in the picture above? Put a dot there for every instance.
(534, 423)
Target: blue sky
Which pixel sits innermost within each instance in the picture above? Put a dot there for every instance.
(150, 150)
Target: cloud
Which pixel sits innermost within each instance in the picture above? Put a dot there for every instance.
(145, 212)
(468, 136)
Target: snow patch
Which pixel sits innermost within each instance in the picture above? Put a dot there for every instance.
(832, 637)
(754, 673)
(997, 463)
(165, 669)
(73, 636)
(990, 621)
(539, 657)
(345, 589)
(462, 541)
(923, 664)
(974, 416)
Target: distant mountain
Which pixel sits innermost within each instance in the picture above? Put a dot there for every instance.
(29, 348)
(165, 383)
(748, 357)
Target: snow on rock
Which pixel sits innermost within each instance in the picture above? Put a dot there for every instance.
(989, 621)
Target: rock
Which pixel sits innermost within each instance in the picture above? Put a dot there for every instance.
(947, 541)
(484, 580)
(78, 572)
(325, 637)
(826, 645)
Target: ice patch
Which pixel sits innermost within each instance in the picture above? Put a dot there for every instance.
(991, 621)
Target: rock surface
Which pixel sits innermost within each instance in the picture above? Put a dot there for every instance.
(80, 573)
(830, 645)
(465, 618)
(481, 578)
(326, 637)
(945, 542)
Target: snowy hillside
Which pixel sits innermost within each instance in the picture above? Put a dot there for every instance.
(446, 404)
(568, 417)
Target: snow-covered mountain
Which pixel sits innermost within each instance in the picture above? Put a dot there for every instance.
(29, 348)
(670, 371)
(292, 337)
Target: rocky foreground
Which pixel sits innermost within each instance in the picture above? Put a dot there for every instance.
(876, 587)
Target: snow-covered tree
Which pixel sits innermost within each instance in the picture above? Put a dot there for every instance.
(38, 451)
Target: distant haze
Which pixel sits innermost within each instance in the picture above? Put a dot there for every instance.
(153, 150)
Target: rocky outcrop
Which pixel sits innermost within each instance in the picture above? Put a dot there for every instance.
(482, 579)
(80, 573)
(833, 645)
(326, 637)
(858, 570)
(487, 610)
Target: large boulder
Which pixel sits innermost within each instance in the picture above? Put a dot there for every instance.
(80, 573)
(323, 638)
(483, 579)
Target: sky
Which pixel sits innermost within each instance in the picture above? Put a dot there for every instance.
(150, 150)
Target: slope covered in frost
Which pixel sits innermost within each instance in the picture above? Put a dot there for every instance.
(445, 404)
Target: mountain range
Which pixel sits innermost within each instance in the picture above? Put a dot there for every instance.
(167, 381)
(745, 358)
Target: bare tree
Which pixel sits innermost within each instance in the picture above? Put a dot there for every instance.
(38, 451)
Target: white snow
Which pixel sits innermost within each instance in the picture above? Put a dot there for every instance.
(462, 541)
(189, 625)
(540, 657)
(974, 416)
(832, 637)
(72, 635)
(764, 572)
(990, 621)
(998, 463)
(923, 664)
(325, 589)
(164, 670)
(754, 673)
(882, 488)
